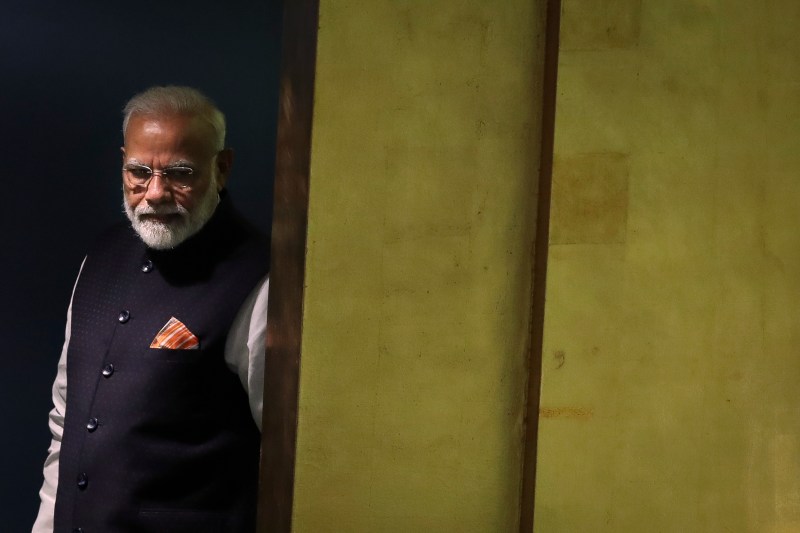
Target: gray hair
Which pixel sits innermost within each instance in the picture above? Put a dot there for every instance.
(175, 100)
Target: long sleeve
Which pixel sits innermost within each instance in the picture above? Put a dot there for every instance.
(47, 494)
(246, 346)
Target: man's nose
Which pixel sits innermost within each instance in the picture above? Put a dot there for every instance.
(157, 190)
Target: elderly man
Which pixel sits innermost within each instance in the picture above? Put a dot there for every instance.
(157, 401)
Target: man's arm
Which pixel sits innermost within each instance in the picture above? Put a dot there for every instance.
(47, 494)
(246, 346)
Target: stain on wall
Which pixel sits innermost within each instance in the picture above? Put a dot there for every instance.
(590, 199)
(565, 412)
(600, 24)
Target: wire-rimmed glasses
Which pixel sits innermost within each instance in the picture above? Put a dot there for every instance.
(180, 177)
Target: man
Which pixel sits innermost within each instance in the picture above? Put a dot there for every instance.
(165, 338)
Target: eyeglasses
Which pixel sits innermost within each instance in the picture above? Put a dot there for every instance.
(139, 176)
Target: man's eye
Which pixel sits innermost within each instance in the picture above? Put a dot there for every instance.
(139, 173)
(178, 173)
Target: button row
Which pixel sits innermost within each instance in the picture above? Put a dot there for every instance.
(93, 423)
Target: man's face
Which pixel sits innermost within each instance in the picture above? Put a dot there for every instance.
(162, 213)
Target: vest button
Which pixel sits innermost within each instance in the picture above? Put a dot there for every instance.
(92, 424)
(147, 266)
(124, 316)
(83, 481)
(108, 370)
(77, 530)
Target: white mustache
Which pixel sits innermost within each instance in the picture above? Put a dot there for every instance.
(146, 209)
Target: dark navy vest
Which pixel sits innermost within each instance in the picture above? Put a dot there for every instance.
(160, 440)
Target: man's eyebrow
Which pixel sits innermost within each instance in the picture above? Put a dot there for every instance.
(179, 163)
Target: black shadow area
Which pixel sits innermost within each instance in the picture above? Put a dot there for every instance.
(67, 70)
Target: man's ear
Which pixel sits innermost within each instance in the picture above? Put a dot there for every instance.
(224, 164)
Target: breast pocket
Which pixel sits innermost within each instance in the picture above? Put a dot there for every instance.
(175, 356)
(176, 335)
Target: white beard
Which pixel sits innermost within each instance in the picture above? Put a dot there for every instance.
(164, 236)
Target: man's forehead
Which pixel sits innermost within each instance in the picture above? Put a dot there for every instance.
(177, 120)
(191, 128)
(150, 125)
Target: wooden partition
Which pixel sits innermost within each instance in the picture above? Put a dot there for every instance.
(287, 271)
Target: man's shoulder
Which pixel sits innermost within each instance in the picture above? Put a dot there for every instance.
(238, 233)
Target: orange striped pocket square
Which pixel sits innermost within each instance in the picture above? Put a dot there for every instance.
(175, 336)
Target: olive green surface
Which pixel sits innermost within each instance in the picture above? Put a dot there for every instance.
(670, 397)
(421, 224)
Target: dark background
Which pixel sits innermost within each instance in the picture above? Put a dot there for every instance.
(66, 70)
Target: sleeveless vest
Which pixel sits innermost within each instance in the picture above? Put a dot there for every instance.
(160, 440)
